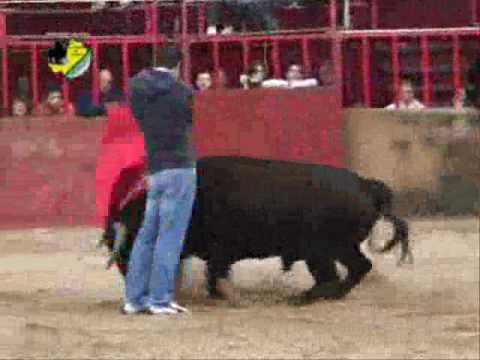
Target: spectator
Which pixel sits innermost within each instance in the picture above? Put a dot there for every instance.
(259, 12)
(406, 98)
(203, 81)
(294, 72)
(294, 79)
(256, 75)
(19, 107)
(54, 103)
(109, 95)
(326, 74)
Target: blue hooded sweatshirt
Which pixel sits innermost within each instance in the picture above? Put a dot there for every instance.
(162, 107)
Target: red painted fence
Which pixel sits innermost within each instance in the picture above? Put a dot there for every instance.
(47, 171)
(47, 166)
(390, 39)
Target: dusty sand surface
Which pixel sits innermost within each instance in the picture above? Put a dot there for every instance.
(58, 301)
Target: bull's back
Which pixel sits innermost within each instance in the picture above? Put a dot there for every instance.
(266, 198)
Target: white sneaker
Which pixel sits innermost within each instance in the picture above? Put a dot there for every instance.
(177, 307)
(212, 30)
(129, 309)
(162, 310)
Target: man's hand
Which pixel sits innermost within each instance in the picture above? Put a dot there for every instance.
(148, 184)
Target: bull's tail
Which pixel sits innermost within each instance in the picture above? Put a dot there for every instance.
(400, 236)
(382, 197)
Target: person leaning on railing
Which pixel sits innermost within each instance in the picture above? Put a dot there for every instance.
(255, 76)
(109, 95)
(405, 99)
(294, 79)
(54, 104)
(20, 107)
(203, 81)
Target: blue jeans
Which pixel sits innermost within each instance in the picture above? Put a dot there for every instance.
(154, 263)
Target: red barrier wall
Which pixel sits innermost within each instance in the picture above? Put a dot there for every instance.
(304, 125)
(47, 166)
(47, 171)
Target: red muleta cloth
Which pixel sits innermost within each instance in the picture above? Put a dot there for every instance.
(121, 164)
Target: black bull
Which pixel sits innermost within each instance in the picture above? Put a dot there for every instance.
(250, 208)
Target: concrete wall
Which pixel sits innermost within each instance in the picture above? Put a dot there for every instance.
(430, 158)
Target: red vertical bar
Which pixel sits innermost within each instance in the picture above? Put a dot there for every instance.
(187, 66)
(184, 18)
(3, 24)
(66, 92)
(474, 9)
(216, 57)
(147, 10)
(148, 19)
(3, 33)
(333, 14)
(277, 71)
(374, 13)
(34, 64)
(426, 69)
(6, 100)
(95, 73)
(338, 64)
(306, 56)
(154, 20)
(201, 17)
(457, 81)
(246, 55)
(125, 66)
(395, 66)
(367, 95)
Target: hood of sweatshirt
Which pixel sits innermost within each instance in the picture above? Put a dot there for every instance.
(152, 82)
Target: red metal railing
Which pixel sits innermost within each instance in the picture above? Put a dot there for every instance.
(309, 42)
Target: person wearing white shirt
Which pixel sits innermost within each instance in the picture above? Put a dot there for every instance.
(294, 79)
(406, 99)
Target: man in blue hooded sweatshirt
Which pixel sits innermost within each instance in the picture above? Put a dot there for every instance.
(162, 107)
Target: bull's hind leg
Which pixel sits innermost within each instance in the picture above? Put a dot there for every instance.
(358, 266)
(216, 270)
(325, 275)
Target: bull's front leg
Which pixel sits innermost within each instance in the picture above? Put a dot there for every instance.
(216, 271)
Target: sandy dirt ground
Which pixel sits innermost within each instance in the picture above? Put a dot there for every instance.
(58, 301)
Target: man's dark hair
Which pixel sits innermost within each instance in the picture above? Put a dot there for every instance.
(168, 56)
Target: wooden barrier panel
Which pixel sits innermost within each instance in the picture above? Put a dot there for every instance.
(47, 171)
(430, 158)
(304, 125)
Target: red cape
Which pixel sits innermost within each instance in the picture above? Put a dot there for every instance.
(120, 163)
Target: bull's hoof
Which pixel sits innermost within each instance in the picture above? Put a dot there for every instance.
(332, 290)
(307, 297)
(301, 300)
(216, 295)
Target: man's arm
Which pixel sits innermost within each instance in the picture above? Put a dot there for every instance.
(86, 107)
(137, 97)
